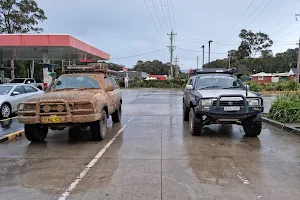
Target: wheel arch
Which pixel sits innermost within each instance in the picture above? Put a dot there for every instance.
(105, 107)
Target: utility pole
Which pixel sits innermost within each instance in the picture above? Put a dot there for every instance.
(203, 55)
(210, 41)
(176, 65)
(298, 62)
(197, 61)
(171, 52)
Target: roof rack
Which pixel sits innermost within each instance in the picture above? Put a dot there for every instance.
(89, 68)
(214, 70)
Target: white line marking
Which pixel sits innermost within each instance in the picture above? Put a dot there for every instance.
(130, 119)
(65, 195)
(244, 179)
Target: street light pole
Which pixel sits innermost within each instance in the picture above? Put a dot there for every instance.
(197, 61)
(210, 41)
(203, 55)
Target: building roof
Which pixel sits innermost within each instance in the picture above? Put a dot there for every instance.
(58, 47)
(293, 71)
(263, 74)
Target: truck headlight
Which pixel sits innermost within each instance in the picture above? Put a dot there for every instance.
(253, 102)
(206, 102)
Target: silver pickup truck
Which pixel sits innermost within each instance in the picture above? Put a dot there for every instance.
(29, 81)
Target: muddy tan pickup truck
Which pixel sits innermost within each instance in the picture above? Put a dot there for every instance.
(84, 96)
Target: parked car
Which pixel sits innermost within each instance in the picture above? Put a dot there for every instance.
(218, 97)
(13, 94)
(83, 98)
(34, 82)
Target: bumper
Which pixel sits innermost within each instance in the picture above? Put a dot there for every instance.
(219, 112)
(66, 115)
(213, 113)
(74, 119)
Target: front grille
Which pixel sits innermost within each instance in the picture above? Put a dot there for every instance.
(48, 108)
(229, 103)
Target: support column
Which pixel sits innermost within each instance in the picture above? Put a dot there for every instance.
(74, 61)
(32, 69)
(62, 67)
(1, 71)
(46, 77)
(12, 69)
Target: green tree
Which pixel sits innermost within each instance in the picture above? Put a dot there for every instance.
(153, 67)
(20, 16)
(266, 53)
(252, 43)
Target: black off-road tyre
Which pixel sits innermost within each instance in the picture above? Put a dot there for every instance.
(195, 124)
(72, 133)
(116, 116)
(35, 132)
(99, 128)
(185, 113)
(252, 126)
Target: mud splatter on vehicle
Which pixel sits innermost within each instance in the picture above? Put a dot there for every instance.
(86, 95)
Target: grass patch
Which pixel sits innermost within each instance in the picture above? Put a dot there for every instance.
(286, 108)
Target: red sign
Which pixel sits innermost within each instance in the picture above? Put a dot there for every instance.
(125, 69)
(191, 71)
(86, 61)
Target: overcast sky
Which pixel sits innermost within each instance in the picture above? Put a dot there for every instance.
(125, 28)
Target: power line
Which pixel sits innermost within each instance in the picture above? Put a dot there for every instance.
(158, 16)
(288, 33)
(165, 19)
(159, 33)
(170, 18)
(281, 29)
(261, 12)
(139, 54)
(241, 16)
(234, 44)
(173, 15)
(199, 51)
(252, 14)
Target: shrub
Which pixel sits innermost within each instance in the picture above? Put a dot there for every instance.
(255, 87)
(291, 85)
(271, 86)
(286, 108)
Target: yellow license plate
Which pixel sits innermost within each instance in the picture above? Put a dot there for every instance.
(52, 119)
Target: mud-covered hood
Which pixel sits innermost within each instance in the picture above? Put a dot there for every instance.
(216, 92)
(69, 95)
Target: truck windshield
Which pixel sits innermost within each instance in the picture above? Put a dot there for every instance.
(216, 82)
(17, 80)
(76, 82)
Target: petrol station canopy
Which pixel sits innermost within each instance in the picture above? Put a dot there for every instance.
(54, 47)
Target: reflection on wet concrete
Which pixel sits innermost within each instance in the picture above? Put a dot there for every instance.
(155, 158)
(9, 126)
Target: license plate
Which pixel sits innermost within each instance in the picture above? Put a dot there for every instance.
(232, 108)
(52, 119)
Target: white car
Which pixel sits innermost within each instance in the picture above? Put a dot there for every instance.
(13, 94)
(29, 81)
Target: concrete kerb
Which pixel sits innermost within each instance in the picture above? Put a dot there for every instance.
(12, 136)
(281, 126)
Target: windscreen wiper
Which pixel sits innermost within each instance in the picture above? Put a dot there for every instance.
(214, 86)
(232, 87)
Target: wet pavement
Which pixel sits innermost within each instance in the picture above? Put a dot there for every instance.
(8, 126)
(154, 157)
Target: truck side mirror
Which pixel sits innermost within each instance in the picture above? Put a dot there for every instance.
(109, 88)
